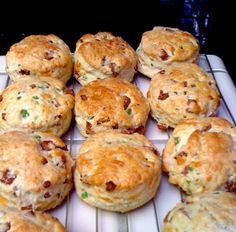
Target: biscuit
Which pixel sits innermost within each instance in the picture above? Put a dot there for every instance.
(35, 170)
(103, 55)
(164, 46)
(200, 156)
(13, 220)
(110, 104)
(180, 92)
(117, 172)
(36, 104)
(39, 55)
(209, 212)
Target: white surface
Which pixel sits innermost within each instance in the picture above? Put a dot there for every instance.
(80, 217)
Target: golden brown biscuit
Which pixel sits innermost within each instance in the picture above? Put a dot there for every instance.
(180, 92)
(36, 104)
(209, 212)
(117, 172)
(12, 220)
(103, 55)
(110, 104)
(200, 156)
(39, 55)
(35, 170)
(163, 46)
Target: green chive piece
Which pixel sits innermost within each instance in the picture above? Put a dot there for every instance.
(108, 142)
(35, 97)
(84, 195)
(58, 89)
(105, 37)
(129, 111)
(176, 140)
(90, 117)
(18, 98)
(38, 137)
(190, 168)
(24, 113)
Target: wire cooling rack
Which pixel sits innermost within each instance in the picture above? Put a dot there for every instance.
(77, 216)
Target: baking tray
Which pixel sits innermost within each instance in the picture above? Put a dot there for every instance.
(77, 216)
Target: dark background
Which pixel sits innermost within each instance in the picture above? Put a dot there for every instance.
(212, 22)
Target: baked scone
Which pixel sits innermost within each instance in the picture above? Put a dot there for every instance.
(39, 55)
(103, 55)
(13, 220)
(116, 171)
(163, 46)
(180, 92)
(200, 156)
(209, 212)
(110, 104)
(36, 104)
(35, 170)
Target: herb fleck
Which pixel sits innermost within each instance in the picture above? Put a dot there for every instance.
(129, 111)
(38, 137)
(104, 36)
(84, 195)
(24, 113)
(90, 117)
(35, 97)
(176, 140)
(190, 168)
(18, 98)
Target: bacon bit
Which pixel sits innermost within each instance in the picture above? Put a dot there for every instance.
(162, 126)
(56, 102)
(206, 128)
(186, 170)
(33, 86)
(162, 72)
(1, 98)
(152, 149)
(234, 161)
(28, 207)
(48, 55)
(126, 102)
(128, 131)
(193, 85)
(141, 130)
(110, 186)
(115, 126)
(103, 120)
(44, 161)
(164, 56)
(4, 116)
(47, 145)
(24, 72)
(8, 177)
(114, 69)
(211, 98)
(63, 159)
(88, 128)
(47, 195)
(180, 157)
(185, 83)
(66, 181)
(46, 184)
(231, 186)
(68, 91)
(162, 95)
(83, 97)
